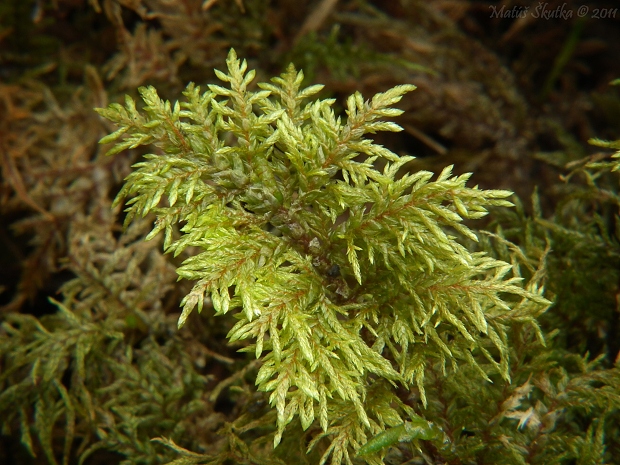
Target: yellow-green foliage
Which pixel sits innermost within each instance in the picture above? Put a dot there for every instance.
(101, 373)
(349, 279)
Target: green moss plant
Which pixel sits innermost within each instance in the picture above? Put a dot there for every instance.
(346, 271)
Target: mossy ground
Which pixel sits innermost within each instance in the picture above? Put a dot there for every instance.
(513, 101)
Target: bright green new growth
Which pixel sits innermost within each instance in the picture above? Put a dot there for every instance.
(346, 275)
(408, 431)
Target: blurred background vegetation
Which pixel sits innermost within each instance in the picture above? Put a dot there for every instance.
(94, 375)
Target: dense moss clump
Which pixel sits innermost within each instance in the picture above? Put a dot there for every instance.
(354, 304)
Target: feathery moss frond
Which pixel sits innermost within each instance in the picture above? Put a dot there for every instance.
(296, 229)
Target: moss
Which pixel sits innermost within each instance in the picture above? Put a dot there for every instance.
(101, 373)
